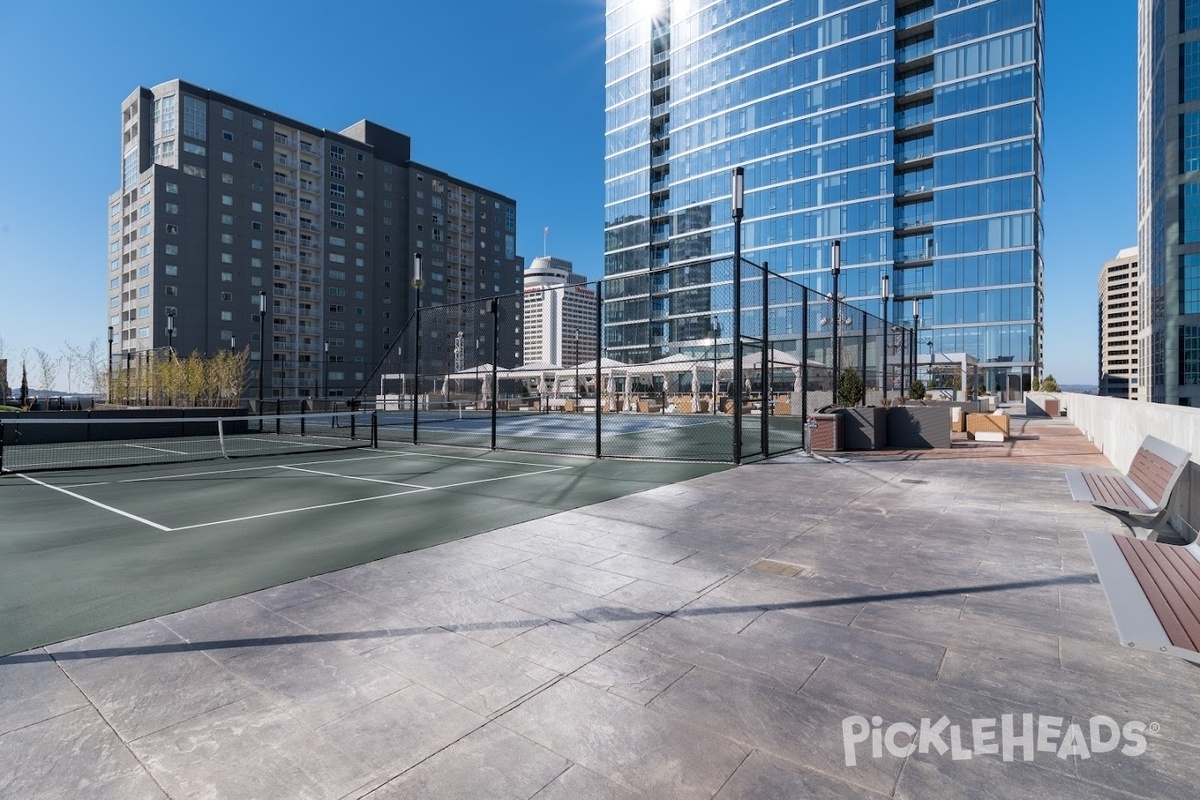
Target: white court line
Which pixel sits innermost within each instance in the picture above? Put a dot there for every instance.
(363, 499)
(284, 443)
(353, 477)
(159, 449)
(97, 504)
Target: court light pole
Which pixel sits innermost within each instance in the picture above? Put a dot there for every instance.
(836, 271)
(576, 340)
(884, 297)
(325, 370)
(416, 282)
(738, 197)
(262, 344)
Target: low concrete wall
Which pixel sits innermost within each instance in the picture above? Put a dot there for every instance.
(1118, 427)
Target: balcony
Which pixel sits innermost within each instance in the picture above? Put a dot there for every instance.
(285, 255)
(280, 158)
(914, 84)
(309, 260)
(285, 274)
(281, 180)
(284, 238)
(284, 140)
(305, 147)
(285, 221)
(914, 117)
(914, 51)
(914, 18)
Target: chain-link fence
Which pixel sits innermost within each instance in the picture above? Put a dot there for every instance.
(650, 365)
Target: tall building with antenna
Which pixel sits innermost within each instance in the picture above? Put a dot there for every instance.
(559, 314)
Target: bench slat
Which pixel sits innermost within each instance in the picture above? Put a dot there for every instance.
(1168, 607)
(1184, 574)
(1111, 490)
(1152, 474)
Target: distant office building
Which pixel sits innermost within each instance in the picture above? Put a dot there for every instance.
(1119, 325)
(221, 201)
(559, 314)
(908, 129)
(1169, 199)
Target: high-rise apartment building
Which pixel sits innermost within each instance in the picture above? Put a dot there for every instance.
(1169, 199)
(1119, 326)
(221, 202)
(559, 314)
(908, 129)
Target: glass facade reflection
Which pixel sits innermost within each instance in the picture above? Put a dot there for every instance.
(908, 129)
(1169, 198)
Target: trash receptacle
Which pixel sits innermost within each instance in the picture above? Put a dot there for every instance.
(828, 434)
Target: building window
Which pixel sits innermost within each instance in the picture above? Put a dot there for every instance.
(337, 151)
(194, 171)
(226, 297)
(337, 190)
(1189, 71)
(195, 149)
(337, 171)
(227, 136)
(170, 291)
(164, 116)
(337, 209)
(171, 208)
(1189, 284)
(172, 229)
(171, 269)
(171, 188)
(171, 249)
(227, 157)
(227, 113)
(226, 277)
(227, 238)
(257, 124)
(1190, 212)
(226, 199)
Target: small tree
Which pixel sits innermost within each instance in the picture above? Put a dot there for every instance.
(193, 378)
(850, 390)
(1035, 384)
(24, 388)
(1049, 384)
(916, 390)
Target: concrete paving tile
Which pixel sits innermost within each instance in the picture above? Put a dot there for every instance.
(1167, 768)
(572, 552)
(484, 552)
(721, 612)
(652, 596)
(759, 658)
(396, 732)
(720, 541)
(632, 672)
(716, 562)
(34, 689)
(472, 615)
(492, 763)
(572, 576)
(690, 580)
(483, 679)
(640, 546)
(941, 776)
(557, 646)
(490, 582)
(851, 645)
(765, 777)
(314, 682)
(71, 755)
(639, 749)
(291, 594)
(225, 629)
(355, 622)
(390, 586)
(795, 728)
(578, 783)
(945, 627)
(249, 749)
(140, 694)
(147, 636)
(602, 616)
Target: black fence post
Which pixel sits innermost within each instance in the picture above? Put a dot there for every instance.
(495, 365)
(302, 433)
(278, 413)
(374, 429)
(863, 368)
(416, 364)
(599, 351)
(804, 355)
(765, 411)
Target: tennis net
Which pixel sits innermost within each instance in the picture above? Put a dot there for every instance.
(34, 444)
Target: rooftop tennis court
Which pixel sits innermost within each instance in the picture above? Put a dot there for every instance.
(87, 550)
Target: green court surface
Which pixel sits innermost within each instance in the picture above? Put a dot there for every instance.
(89, 550)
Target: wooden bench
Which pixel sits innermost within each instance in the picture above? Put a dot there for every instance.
(1153, 591)
(1140, 497)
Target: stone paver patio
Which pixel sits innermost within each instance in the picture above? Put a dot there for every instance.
(705, 639)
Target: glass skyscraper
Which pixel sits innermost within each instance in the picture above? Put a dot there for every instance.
(910, 130)
(1169, 199)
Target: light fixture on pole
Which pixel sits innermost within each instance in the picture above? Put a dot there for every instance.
(262, 344)
(170, 335)
(738, 197)
(416, 282)
(835, 270)
(110, 367)
(884, 300)
(232, 343)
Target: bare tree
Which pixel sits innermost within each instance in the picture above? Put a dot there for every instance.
(95, 370)
(47, 370)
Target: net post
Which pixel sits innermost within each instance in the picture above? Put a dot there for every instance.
(353, 430)
(1, 446)
(221, 436)
(374, 429)
(278, 411)
(599, 354)
(302, 432)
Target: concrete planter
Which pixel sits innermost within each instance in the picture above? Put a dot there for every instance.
(865, 428)
(918, 426)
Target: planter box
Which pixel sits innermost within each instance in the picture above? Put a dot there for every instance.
(918, 426)
(865, 428)
(827, 436)
(987, 423)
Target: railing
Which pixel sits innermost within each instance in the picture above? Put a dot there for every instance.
(914, 18)
(286, 221)
(915, 50)
(912, 117)
(918, 148)
(915, 83)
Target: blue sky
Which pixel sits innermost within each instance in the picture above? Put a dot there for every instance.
(508, 95)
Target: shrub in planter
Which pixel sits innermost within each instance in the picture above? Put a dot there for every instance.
(850, 389)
